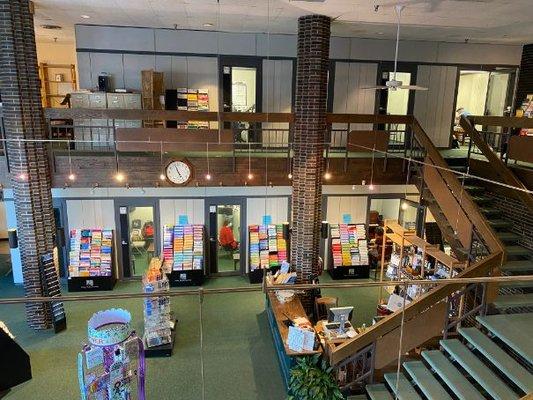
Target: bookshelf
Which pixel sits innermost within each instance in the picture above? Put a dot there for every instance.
(57, 80)
(268, 249)
(91, 257)
(348, 251)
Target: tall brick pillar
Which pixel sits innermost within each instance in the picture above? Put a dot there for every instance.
(525, 76)
(28, 160)
(309, 132)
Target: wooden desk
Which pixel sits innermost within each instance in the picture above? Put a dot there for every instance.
(281, 312)
(277, 313)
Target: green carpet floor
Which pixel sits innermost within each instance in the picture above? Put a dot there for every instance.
(239, 357)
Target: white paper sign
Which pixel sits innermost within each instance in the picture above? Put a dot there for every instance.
(300, 339)
(395, 302)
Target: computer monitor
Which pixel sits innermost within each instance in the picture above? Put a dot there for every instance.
(335, 314)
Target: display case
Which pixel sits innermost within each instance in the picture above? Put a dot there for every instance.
(348, 251)
(159, 323)
(267, 250)
(184, 254)
(91, 265)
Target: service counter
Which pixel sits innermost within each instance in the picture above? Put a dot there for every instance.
(278, 313)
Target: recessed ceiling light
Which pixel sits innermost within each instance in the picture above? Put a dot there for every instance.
(85, 16)
(208, 25)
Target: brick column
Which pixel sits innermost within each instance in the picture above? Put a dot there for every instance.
(525, 77)
(28, 161)
(309, 132)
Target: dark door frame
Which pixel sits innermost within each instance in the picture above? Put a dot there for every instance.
(134, 202)
(245, 62)
(212, 241)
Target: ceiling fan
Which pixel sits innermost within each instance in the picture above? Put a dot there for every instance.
(394, 84)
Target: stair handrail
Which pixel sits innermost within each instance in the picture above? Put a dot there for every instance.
(463, 197)
(426, 301)
(496, 163)
(487, 265)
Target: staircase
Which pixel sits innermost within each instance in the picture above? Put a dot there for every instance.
(511, 297)
(493, 360)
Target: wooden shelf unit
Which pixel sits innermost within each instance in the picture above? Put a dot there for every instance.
(48, 91)
(403, 238)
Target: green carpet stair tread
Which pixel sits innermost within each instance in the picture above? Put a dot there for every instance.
(453, 378)
(490, 211)
(405, 391)
(499, 223)
(517, 251)
(508, 236)
(499, 358)
(378, 392)
(518, 266)
(513, 300)
(477, 370)
(523, 285)
(425, 381)
(482, 199)
(514, 330)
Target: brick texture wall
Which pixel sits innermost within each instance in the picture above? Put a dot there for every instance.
(517, 213)
(525, 77)
(309, 130)
(28, 161)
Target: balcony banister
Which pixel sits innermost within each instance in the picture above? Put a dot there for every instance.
(496, 163)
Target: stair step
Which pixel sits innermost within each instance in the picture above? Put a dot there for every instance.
(482, 199)
(519, 266)
(477, 370)
(378, 392)
(490, 211)
(459, 168)
(517, 251)
(513, 300)
(425, 381)
(405, 391)
(512, 329)
(497, 356)
(454, 379)
(499, 223)
(516, 285)
(474, 189)
(508, 237)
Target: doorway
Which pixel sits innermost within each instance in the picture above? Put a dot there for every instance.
(227, 233)
(396, 102)
(241, 82)
(139, 237)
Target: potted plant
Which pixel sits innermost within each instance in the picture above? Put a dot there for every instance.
(312, 378)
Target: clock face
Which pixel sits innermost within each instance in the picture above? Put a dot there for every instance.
(179, 172)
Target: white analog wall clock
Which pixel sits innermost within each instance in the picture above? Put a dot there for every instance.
(179, 172)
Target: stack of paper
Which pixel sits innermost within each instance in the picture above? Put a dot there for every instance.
(254, 247)
(90, 252)
(168, 248)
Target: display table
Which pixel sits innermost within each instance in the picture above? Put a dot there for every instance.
(278, 313)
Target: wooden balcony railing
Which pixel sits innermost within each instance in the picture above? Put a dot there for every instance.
(500, 169)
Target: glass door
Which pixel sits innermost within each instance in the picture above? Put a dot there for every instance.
(226, 236)
(241, 92)
(139, 238)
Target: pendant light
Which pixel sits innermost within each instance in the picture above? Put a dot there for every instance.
(250, 175)
(162, 176)
(371, 186)
(71, 175)
(208, 175)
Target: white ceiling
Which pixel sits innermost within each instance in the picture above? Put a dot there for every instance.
(485, 21)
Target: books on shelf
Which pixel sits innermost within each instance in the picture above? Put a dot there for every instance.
(267, 247)
(193, 100)
(183, 247)
(349, 246)
(90, 252)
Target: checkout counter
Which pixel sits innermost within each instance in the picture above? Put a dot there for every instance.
(283, 310)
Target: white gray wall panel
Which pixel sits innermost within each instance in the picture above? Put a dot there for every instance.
(434, 108)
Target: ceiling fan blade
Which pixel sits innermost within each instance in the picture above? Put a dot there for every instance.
(374, 87)
(412, 87)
